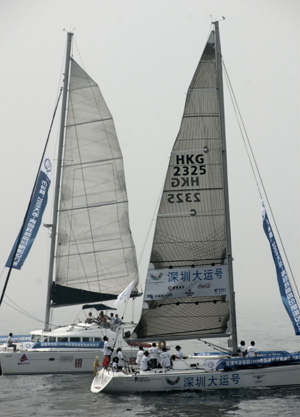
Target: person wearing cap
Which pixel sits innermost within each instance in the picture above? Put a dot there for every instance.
(179, 353)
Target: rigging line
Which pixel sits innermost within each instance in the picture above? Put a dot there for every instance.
(149, 230)
(247, 141)
(34, 186)
(79, 54)
(21, 311)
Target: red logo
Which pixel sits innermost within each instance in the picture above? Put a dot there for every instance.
(23, 358)
(78, 363)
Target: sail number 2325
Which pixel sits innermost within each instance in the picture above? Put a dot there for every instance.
(185, 179)
(184, 198)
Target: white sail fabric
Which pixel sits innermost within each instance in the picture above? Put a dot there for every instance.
(186, 293)
(95, 249)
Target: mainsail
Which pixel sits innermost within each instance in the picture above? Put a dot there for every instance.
(95, 255)
(187, 285)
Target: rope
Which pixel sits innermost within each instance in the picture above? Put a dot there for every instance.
(24, 220)
(255, 169)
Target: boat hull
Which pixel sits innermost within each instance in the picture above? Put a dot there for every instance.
(52, 362)
(197, 380)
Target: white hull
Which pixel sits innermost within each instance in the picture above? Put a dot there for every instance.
(196, 380)
(53, 362)
(64, 355)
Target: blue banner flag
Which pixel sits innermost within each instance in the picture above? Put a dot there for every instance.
(33, 218)
(285, 288)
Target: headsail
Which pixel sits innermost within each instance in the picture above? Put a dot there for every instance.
(95, 256)
(187, 285)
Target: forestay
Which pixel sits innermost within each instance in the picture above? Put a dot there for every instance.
(186, 292)
(95, 256)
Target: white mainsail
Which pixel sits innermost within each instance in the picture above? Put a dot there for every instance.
(187, 286)
(95, 255)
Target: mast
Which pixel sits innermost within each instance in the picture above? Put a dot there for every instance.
(58, 178)
(226, 193)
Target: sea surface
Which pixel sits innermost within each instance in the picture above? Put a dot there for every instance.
(69, 395)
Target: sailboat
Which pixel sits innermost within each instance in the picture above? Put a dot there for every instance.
(189, 289)
(92, 254)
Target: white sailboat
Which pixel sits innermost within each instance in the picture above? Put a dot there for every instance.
(189, 290)
(92, 255)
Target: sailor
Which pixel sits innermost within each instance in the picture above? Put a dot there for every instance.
(252, 351)
(89, 319)
(117, 320)
(144, 366)
(242, 351)
(102, 319)
(165, 358)
(107, 349)
(121, 359)
(112, 321)
(115, 364)
(179, 353)
(153, 355)
(10, 342)
(139, 355)
(96, 365)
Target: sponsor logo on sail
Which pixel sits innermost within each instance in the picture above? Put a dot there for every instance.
(156, 277)
(204, 286)
(220, 290)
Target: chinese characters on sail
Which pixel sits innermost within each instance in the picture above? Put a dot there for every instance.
(186, 282)
(33, 219)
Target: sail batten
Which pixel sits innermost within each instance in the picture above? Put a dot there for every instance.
(91, 121)
(95, 255)
(94, 206)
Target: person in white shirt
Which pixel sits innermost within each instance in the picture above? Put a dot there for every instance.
(107, 349)
(252, 351)
(144, 366)
(112, 321)
(121, 359)
(153, 351)
(139, 355)
(165, 358)
(10, 342)
(115, 364)
(179, 353)
(242, 351)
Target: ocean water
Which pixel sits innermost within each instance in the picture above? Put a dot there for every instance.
(69, 395)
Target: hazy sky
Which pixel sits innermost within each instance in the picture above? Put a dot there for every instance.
(143, 54)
